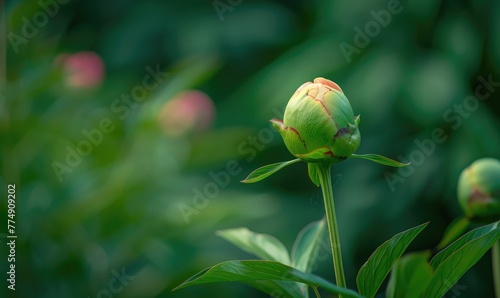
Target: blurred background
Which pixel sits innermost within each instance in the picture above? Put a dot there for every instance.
(127, 126)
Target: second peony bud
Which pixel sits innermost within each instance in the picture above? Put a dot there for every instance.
(479, 188)
(319, 124)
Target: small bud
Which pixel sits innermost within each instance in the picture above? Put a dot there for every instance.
(83, 70)
(479, 188)
(188, 112)
(319, 124)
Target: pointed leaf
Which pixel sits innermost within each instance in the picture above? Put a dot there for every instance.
(380, 159)
(313, 173)
(452, 248)
(319, 154)
(410, 276)
(288, 289)
(453, 231)
(373, 272)
(306, 246)
(263, 246)
(251, 271)
(279, 288)
(452, 268)
(266, 171)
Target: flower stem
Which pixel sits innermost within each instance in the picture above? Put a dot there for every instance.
(325, 178)
(315, 289)
(496, 267)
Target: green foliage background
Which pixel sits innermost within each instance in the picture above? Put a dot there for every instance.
(119, 209)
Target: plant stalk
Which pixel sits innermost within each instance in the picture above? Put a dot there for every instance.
(496, 267)
(325, 176)
(315, 289)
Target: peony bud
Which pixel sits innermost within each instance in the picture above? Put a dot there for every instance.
(319, 124)
(83, 69)
(189, 111)
(479, 188)
(319, 128)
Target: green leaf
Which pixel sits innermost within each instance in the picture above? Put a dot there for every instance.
(462, 259)
(266, 171)
(316, 155)
(278, 288)
(263, 246)
(313, 173)
(380, 159)
(452, 248)
(251, 271)
(453, 231)
(373, 272)
(410, 276)
(306, 246)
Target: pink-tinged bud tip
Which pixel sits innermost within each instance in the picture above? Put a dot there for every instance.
(328, 83)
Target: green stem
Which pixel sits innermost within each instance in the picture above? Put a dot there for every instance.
(496, 267)
(315, 289)
(325, 178)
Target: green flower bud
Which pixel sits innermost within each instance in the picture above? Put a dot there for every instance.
(479, 188)
(319, 124)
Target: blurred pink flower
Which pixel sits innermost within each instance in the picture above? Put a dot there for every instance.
(189, 111)
(82, 69)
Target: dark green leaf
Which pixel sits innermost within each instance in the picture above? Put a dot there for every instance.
(474, 234)
(307, 244)
(410, 276)
(313, 173)
(373, 272)
(263, 246)
(453, 231)
(278, 288)
(380, 159)
(455, 265)
(266, 171)
(251, 271)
